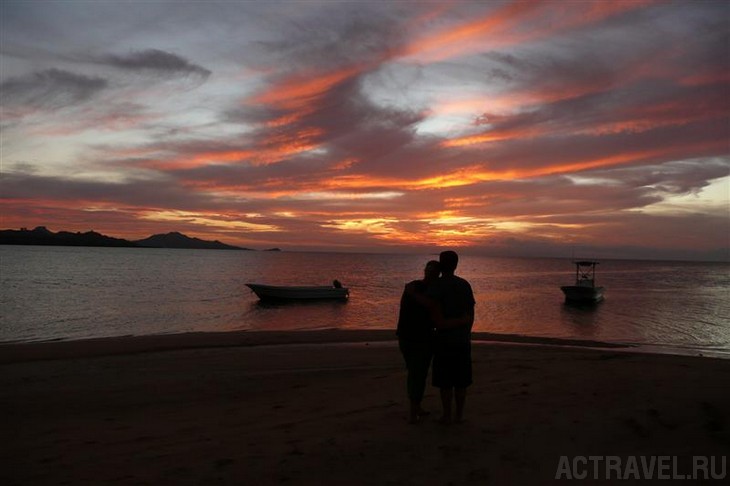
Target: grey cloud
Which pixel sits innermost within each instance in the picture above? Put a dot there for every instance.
(663, 144)
(143, 193)
(530, 199)
(361, 36)
(680, 177)
(286, 175)
(52, 89)
(348, 122)
(159, 194)
(342, 120)
(656, 236)
(154, 60)
(354, 126)
(533, 246)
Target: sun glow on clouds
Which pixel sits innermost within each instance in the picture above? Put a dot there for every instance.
(432, 229)
(225, 222)
(346, 196)
(442, 124)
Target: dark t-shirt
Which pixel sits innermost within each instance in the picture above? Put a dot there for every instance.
(456, 298)
(414, 319)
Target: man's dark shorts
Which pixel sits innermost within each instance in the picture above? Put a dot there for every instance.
(452, 365)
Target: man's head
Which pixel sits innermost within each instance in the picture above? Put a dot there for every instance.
(449, 260)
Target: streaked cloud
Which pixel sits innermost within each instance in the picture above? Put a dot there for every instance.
(50, 89)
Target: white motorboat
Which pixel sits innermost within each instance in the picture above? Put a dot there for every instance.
(318, 292)
(585, 289)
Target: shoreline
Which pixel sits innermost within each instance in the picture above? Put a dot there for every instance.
(21, 351)
(334, 411)
(11, 352)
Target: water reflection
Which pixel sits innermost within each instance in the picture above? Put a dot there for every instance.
(295, 315)
(581, 318)
(74, 293)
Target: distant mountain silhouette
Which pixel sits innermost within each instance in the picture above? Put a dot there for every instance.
(179, 240)
(43, 236)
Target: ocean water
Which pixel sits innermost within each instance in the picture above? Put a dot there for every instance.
(66, 293)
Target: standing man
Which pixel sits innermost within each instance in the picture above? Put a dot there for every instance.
(452, 345)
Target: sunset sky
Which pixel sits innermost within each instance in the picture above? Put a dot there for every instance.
(525, 127)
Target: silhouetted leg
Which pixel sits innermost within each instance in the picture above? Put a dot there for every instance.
(409, 355)
(418, 360)
(446, 394)
(415, 403)
(420, 376)
(413, 415)
(460, 396)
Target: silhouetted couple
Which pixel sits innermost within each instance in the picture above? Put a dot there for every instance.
(435, 321)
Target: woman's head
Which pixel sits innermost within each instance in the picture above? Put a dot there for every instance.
(432, 270)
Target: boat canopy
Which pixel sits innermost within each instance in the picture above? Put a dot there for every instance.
(585, 272)
(585, 289)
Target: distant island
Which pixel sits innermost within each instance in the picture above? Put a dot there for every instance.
(43, 236)
(179, 240)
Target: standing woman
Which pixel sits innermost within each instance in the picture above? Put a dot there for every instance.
(415, 336)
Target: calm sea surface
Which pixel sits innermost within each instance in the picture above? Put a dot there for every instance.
(75, 293)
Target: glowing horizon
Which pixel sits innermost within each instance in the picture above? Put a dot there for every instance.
(523, 127)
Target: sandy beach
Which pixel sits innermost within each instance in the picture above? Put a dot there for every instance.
(330, 408)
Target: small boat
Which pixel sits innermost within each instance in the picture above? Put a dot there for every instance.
(585, 289)
(307, 293)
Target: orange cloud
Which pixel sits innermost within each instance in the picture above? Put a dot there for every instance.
(498, 135)
(277, 145)
(512, 24)
(303, 87)
(208, 219)
(637, 156)
(296, 92)
(494, 103)
(365, 186)
(270, 149)
(706, 77)
(468, 37)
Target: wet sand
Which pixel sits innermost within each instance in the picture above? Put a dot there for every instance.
(304, 408)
